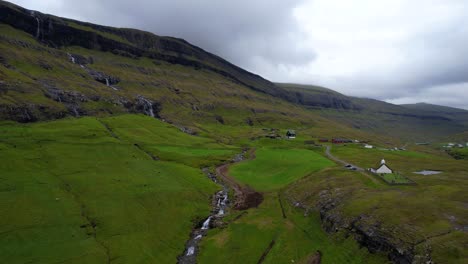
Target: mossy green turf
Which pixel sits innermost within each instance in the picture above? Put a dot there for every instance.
(459, 153)
(297, 237)
(434, 207)
(70, 192)
(274, 168)
(394, 178)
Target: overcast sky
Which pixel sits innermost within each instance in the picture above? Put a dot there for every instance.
(401, 51)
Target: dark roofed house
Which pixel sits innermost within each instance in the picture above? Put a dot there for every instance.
(291, 134)
(341, 140)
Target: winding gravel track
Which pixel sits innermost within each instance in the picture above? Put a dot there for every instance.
(329, 155)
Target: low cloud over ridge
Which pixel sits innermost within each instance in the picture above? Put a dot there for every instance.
(394, 50)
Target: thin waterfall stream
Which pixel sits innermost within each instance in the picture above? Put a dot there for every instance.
(220, 203)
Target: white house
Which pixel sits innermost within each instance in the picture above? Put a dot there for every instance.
(383, 169)
(368, 146)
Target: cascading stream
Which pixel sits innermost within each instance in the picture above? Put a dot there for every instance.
(220, 205)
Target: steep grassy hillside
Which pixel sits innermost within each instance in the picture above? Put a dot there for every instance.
(421, 122)
(73, 191)
(53, 67)
(61, 32)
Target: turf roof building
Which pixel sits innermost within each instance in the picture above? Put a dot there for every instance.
(291, 134)
(383, 169)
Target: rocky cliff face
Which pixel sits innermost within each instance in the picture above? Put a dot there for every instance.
(60, 32)
(366, 231)
(54, 35)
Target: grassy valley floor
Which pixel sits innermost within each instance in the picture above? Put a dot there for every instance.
(277, 232)
(129, 189)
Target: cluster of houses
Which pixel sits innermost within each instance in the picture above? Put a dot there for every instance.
(368, 146)
(274, 133)
(337, 140)
(456, 145)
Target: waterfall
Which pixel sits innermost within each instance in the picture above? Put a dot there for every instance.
(72, 59)
(76, 112)
(190, 251)
(147, 106)
(38, 32)
(107, 82)
(225, 199)
(151, 111)
(150, 107)
(206, 224)
(220, 205)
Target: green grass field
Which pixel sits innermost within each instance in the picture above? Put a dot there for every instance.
(395, 178)
(459, 153)
(70, 192)
(431, 208)
(79, 190)
(297, 237)
(276, 168)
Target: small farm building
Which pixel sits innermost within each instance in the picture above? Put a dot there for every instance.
(291, 134)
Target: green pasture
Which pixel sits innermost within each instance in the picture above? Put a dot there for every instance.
(273, 169)
(70, 192)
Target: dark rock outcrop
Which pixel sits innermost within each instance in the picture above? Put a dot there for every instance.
(104, 78)
(365, 229)
(22, 114)
(71, 99)
(60, 32)
(81, 60)
(146, 106)
(62, 96)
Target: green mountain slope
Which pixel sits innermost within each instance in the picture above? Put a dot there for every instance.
(419, 122)
(73, 192)
(104, 133)
(53, 67)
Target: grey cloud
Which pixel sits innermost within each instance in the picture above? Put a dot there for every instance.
(426, 40)
(236, 30)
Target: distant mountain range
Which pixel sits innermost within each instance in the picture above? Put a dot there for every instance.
(52, 67)
(411, 121)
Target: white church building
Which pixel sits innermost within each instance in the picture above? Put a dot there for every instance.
(383, 169)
